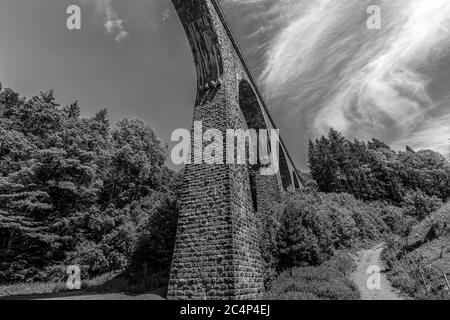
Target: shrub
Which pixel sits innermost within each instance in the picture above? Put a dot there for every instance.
(328, 281)
(268, 229)
(419, 205)
(154, 250)
(403, 281)
(91, 259)
(53, 274)
(20, 270)
(314, 226)
(307, 235)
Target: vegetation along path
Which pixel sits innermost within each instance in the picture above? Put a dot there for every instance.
(366, 259)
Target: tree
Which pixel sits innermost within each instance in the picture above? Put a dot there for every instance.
(375, 144)
(71, 188)
(137, 163)
(72, 111)
(37, 118)
(373, 171)
(419, 206)
(102, 118)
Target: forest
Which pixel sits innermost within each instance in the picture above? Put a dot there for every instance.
(81, 191)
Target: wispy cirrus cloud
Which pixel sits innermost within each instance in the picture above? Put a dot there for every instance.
(113, 24)
(323, 67)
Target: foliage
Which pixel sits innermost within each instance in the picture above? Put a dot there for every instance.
(416, 263)
(268, 229)
(154, 249)
(329, 281)
(419, 205)
(315, 225)
(373, 171)
(77, 190)
(70, 188)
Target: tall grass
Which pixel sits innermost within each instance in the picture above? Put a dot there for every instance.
(329, 281)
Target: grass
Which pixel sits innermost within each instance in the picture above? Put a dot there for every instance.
(106, 283)
(433, 258)
(30, 289)
(417, 265)
(420, 233)
(329, 281)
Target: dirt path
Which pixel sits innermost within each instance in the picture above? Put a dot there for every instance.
(366, 259)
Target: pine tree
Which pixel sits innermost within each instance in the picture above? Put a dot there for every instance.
(72, 111)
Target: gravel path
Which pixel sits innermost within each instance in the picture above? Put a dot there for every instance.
(366, 259)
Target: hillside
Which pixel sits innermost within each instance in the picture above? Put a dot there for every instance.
(437, 224)
(421, 267)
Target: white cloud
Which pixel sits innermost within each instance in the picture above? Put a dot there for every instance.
(435, 136)
(166, 14)
(325, 65)
(114, 25)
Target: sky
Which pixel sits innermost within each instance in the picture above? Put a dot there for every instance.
(317, 64)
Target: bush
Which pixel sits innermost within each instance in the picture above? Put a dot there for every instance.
(154, 250)
(307, 234)
(419, 205)
(403, 281)
(368, 222)
(90, 258)
(52, 274)
(314, 226)
(328, 281)
(268, 229)
(20, 270)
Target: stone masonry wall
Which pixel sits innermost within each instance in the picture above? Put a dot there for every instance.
(217, 252)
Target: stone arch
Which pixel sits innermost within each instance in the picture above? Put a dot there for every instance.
(250, 107)
(284, 170)
(217, 252)
(252, 118)
(296, 181)
(197, 18)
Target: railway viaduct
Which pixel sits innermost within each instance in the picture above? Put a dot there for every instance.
(217, 252)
